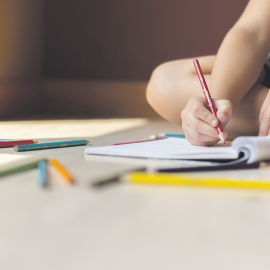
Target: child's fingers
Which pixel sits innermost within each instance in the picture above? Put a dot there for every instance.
(200, 143)
(201, 139)
(265, 123)
(198, 110)
(224, 110)
(199, 125)
(264, 107)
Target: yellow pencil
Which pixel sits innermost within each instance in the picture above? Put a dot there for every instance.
(62, 171)
(186, 180)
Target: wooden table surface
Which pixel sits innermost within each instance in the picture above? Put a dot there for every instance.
(125, 226)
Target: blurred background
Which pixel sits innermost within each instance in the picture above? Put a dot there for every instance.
(92, 59)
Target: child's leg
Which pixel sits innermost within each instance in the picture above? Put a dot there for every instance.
(174, 83)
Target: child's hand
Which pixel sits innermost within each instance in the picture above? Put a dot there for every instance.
(199, 123)
(264, 119)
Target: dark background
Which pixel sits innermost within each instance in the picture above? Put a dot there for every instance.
(127, 39)
(93, 58)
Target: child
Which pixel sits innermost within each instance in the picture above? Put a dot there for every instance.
(237, 71)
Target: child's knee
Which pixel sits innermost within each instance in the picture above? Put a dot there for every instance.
(160, 82)
(161, 74)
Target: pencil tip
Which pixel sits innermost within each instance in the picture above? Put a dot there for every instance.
(72, 181)
(221, 136)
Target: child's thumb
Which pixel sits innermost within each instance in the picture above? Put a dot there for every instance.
(224, 111)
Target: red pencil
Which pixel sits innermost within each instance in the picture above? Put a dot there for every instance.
(208, 98)
(139, 141)
(13, 143)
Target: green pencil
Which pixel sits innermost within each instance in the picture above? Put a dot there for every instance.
(42, 146)
(20, 167)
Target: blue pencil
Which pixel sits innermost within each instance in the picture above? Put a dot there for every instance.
(172, 135)
(42, 146)
(42, 171)
(166, 135)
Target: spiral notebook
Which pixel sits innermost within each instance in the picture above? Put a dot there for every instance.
(242, 149)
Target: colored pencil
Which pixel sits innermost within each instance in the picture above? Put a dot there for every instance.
(159, 136)
(21, 167)
(155, 137)
(186, 180)
(42, 146)
(42, 169)
(67, 176)
(138, 141)
(172, 135)
(208, 98)
(104, 182)
(113, 178)
(13, 143)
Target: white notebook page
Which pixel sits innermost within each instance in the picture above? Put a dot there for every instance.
(171, 148)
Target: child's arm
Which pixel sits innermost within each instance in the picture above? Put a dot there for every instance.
(174, 88)
(242, 54)
(237, 67)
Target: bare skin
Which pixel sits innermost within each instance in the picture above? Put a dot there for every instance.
(174, 89)
(176, 84)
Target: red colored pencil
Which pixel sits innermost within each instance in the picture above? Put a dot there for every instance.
(13, 143)
(208, 97)
(139, 141)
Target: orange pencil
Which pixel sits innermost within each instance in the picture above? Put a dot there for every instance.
(62, 171)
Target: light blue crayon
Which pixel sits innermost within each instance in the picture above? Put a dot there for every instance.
(42, 173)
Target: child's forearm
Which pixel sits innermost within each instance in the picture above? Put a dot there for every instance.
(238, 64)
